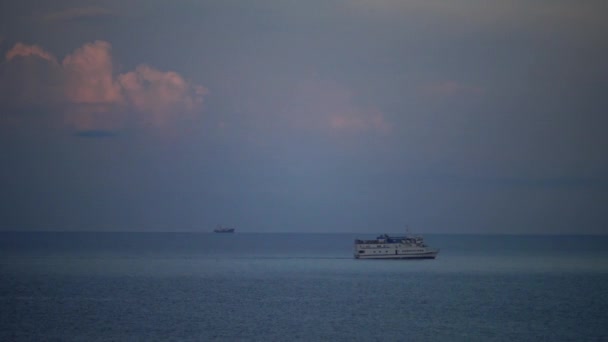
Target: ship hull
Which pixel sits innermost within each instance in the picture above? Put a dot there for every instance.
(426, 255)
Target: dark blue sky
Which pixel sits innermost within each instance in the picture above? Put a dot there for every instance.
(307, 116)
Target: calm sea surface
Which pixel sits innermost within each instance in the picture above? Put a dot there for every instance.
(306, 287)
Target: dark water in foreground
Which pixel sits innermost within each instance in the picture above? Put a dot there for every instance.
(281, 287)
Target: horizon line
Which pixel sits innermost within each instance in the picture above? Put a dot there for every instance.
(309, 232)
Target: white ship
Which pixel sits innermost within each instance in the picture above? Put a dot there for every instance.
(394, 247)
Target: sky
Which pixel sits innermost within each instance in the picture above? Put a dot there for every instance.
(364, 116)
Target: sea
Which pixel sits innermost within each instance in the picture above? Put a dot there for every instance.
(110, 286)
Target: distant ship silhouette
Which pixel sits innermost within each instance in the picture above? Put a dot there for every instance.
(220, 229)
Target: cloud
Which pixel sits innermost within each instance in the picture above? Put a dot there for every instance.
(325, 104)
(30, 78)
(76, 13)
(89, 75)
(160, 93)
(93, 98)
(371, 120)
(22, 50)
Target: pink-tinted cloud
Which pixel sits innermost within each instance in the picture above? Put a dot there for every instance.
(89, 75)
(160, 93)
(371, 120)
(22, 50)
(327, 105)
(95, 98)
(31, 77)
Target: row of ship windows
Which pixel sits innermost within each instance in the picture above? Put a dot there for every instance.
(380, 252)
(377, 246)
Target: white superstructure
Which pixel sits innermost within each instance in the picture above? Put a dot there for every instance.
(394, 247)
